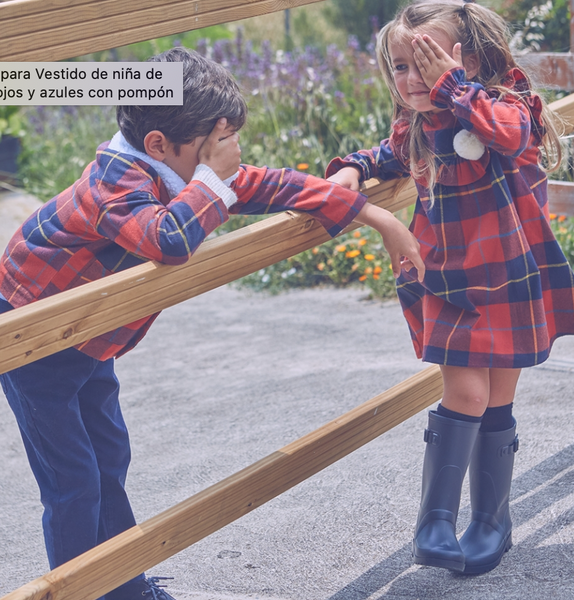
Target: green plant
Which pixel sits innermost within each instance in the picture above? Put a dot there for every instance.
(354, 258)
(11, 121)
(563, 228)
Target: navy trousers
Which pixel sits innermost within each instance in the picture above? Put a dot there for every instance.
(67, 409)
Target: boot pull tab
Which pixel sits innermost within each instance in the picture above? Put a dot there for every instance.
(432, 437)
(511, 448)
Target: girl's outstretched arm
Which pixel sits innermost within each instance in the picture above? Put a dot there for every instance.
(400, 243)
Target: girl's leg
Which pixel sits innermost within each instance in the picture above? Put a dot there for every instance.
(466, 390)
(450, 438)
(489, 534)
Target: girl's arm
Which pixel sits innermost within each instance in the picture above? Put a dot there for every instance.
(503, 124)
(380, 162)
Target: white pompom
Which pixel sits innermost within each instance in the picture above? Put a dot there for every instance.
(467, 145)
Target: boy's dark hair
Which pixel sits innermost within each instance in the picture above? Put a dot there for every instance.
(209, 93)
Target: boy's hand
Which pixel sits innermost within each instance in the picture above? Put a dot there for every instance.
(433, 61)
(348, 177)
(221, 150)
(401, 244)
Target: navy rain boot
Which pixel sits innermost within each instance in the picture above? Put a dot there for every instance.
(449, 446)
(489, 534)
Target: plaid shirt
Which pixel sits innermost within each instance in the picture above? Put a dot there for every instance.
(498, 289)
(119, 214)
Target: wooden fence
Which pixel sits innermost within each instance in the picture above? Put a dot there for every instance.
(57, 29)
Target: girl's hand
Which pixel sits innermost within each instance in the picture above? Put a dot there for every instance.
(432, 61)
(401, 244)
(348, 177)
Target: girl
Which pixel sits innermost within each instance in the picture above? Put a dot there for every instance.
(497, 290)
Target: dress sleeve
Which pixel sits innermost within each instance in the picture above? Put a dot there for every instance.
(261, 190)
(170, 234)
(386, 161)
(501, 121)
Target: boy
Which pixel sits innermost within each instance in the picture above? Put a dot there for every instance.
(164, 182)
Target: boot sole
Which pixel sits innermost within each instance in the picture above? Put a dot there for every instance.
(441, 563)
(479, 569)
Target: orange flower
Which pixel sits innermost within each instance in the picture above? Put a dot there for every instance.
(357, 234)
(375, 277)
(353, 253)
(362, 242)
(562, 230)
(561, 218)
(362, 278)
(321, 266)
(315, 250)
(368, 270)
(369, 257)
(377, 270)
(552, 216)
(340, 248)
(302, 166)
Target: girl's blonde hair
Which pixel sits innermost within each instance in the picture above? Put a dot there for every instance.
(481, 32)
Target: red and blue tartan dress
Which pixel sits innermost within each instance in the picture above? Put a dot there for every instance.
(498, 289)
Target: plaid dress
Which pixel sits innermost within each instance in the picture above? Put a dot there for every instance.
(498, 289)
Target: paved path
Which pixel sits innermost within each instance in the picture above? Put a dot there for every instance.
(229, 377)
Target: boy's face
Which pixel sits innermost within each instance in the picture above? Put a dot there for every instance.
(185, 164)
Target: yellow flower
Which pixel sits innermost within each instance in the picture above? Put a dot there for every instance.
(321, 266)
(362, 278)
(362, 242)
(377, 270)
(340, 248)
(561, 218)
(302, 166)
(552, 216)
(357, 234)
(369, 257)
(353, 253)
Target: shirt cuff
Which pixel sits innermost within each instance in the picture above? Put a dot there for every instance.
(207, 176)
(450, 85)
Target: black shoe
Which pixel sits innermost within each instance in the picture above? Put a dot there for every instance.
(448, 451)
(142, 589)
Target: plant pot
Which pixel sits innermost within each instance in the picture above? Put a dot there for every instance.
(9, 150)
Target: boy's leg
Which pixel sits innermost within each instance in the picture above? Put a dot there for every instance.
(106, 428)
(44, 398)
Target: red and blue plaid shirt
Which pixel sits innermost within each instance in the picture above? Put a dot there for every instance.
(498, 289)
(119, 214)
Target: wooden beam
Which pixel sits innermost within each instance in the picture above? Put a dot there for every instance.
(40, 30)
(561, 197)
(552, 70)
(69, 318)
(565, 108)
(116, 561)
